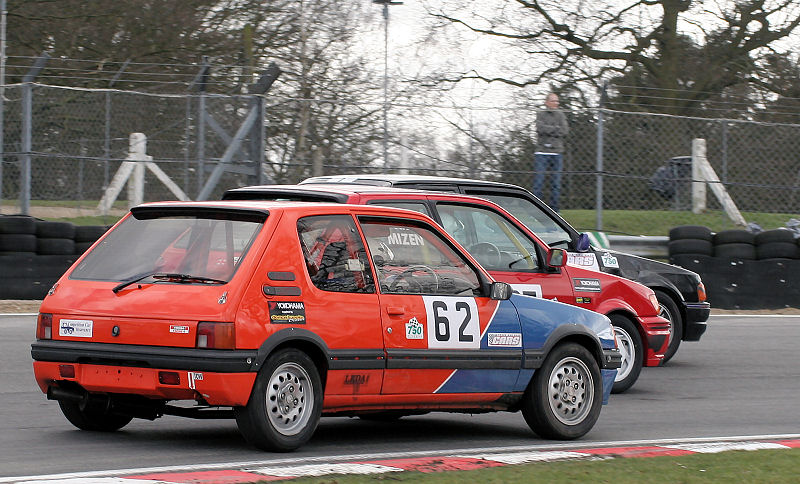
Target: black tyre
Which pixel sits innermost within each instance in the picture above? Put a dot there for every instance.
(17, 243)
(92, 417)
(286, 403)
(778, 250)
(55, 246)
(776, 235)
(564, 397)
(17, 224)
(735, 251)
(734, 237)
(55, 230)
(690, 232)
(81, 247)
(16, 266)
(89, 233)
(690, 246)
(669, 311)
(630, 347)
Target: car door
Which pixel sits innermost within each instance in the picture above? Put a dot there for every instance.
(441, 333)
(503, 249)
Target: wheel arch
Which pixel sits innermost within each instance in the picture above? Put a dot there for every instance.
(579, 334)
(302, 339)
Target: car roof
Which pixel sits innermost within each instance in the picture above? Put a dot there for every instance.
(394, 180)
(334, 192)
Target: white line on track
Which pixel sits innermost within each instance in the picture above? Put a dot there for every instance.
(396, 455)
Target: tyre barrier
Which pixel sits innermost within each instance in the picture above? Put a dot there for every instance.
(35, 253)
(742, 270)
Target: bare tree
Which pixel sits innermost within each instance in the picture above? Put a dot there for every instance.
(683, 50)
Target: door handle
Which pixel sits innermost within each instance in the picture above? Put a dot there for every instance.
(395, 311)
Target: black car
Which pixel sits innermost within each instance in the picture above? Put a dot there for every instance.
(680, 292)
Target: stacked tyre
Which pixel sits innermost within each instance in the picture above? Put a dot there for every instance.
(735, 244)
(690, 240)
(17, 252)
(777, 244)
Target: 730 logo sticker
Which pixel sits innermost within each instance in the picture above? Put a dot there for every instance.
(453, 322)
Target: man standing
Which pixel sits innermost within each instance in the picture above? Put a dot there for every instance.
(551, 129)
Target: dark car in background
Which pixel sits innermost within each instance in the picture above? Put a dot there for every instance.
(680, 292)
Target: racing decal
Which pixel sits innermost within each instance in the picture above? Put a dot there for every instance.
(584, 260)
(223, 299)
(586, 285)
(583, 300)
(285, 312)
(356, 381)
(396, 237)
(414, 329)
(505, 339)
(534, 290)
(193, 377)
(179, 328)
(610, 261)
(80, 328)
(452, 322)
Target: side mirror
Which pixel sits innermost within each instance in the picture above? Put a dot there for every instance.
(500, 291)
(557, 257)
(583, 244)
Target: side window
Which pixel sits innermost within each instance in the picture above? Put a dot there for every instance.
(415, 206)
(415, 259)
(334, 254)
(491, 238)
(534, 218)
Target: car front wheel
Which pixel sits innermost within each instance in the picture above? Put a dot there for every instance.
(285, 405)
(630, 347)
(564, 398)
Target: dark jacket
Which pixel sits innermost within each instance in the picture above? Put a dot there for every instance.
(551, 129)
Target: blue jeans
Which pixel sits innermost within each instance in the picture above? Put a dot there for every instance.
(548, 163)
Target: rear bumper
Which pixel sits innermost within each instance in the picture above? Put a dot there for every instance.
(220, 377)
(696, 316)
(656, 339)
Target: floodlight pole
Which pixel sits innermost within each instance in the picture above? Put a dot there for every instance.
(386, 4)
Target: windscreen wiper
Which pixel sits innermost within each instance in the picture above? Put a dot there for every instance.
(166, 275)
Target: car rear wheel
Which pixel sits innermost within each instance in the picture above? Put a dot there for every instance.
(95, 418)
(630, 347)
(669, 311)
(285, 405)
(564, 398)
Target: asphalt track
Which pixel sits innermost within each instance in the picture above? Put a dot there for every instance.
(740, 382)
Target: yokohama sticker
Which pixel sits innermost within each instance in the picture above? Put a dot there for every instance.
(586, 285)
(286, 312)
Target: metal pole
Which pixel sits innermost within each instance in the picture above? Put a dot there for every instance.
(3, 14)
(386, 85)
(107, 131)
(600, 133)
(200, 82)
(27, 127)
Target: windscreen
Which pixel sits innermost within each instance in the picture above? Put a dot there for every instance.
(204, 245)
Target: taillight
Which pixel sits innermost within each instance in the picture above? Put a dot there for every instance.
(218, 336)
(44, 326)
(701, 292)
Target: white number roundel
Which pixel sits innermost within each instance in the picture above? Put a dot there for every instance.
(453, 322)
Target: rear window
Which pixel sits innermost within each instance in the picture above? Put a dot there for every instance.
(210, 245)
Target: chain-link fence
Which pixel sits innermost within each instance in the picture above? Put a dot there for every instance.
(72, 141)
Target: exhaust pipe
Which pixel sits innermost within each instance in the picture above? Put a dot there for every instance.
(67, 394)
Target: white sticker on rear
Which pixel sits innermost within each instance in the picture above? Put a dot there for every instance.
(77, 328)
(179, 328)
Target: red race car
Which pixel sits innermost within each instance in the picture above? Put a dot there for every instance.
(278, 313)
(511, 253)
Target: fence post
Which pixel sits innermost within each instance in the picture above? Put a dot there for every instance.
(27, 127)
(600, 133)
(200, 81)
(3, 13)
(107, 127)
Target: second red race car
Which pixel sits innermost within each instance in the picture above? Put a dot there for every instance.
(511, 253)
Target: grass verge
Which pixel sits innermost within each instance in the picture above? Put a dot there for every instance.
(763, 466)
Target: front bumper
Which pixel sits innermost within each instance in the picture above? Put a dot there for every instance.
(697, 314)
(656, 339)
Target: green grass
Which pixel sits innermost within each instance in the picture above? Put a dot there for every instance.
(764, 466)
(658, 222)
